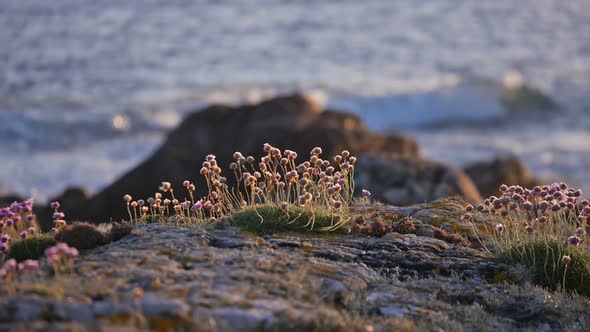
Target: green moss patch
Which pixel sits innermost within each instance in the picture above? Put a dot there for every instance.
(543, 259)
(271, 219)
(30, 248)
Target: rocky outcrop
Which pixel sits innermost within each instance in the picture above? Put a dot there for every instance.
(166, 278)
(403, 180)
(9, 199)
(291, 122)
(488, 175)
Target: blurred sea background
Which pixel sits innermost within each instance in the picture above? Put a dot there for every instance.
(88, 89)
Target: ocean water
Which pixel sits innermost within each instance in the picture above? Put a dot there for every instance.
(89, 88)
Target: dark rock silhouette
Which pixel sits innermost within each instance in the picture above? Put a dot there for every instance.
(288, 122)
(403, 180)
(488, 175)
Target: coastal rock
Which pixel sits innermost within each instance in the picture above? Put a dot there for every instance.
(289, 122)
(405, 180)
(488, 175)
(165, 278)
(6, 200)
(73, 200)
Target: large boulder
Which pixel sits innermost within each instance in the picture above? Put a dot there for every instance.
(488, 175)
(73, 201)
(6, 200)
(289, 122)
(402, 180)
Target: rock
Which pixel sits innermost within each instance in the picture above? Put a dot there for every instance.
(489, 175)
(425, 230)
(408, 180)
(241, 320)
(393, 310)
(333, 283)
(6, 200)
(155, 306)
(524, 99)
(28, 310)
(289, 122)
(74, 312)
(333, 291)
(74, 201)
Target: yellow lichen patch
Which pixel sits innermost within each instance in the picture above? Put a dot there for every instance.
(166, 324)
(500, 277)
(123, 318)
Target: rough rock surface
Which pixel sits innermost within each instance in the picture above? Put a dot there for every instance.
(402, 180)
(167, 278)
(290, 122)
(488, 175)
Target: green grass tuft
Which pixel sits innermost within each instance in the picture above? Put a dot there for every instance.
(30, 248)
(270, 219)
(543, 259)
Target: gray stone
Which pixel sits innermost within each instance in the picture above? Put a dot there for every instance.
(74, 312)
(152, 305)
(425, 230)
(323, 285)
(393, 310)
(28, 310)
(404, 180)
(240, 320)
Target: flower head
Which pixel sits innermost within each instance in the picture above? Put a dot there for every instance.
(499, 228)
(574, 241)
(9, 266)
(4, 238)
(165, 186)
(284, 206)
(29, 265)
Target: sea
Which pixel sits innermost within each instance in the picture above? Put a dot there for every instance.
(89, 88)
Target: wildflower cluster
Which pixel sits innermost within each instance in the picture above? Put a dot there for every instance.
(21, 240)
(544, 229)
(277, 179)
(60, 253)
(549, 213)
(16, 222)
(11, 267)
(58, 217)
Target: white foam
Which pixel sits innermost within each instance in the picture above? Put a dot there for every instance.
(467, 101)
